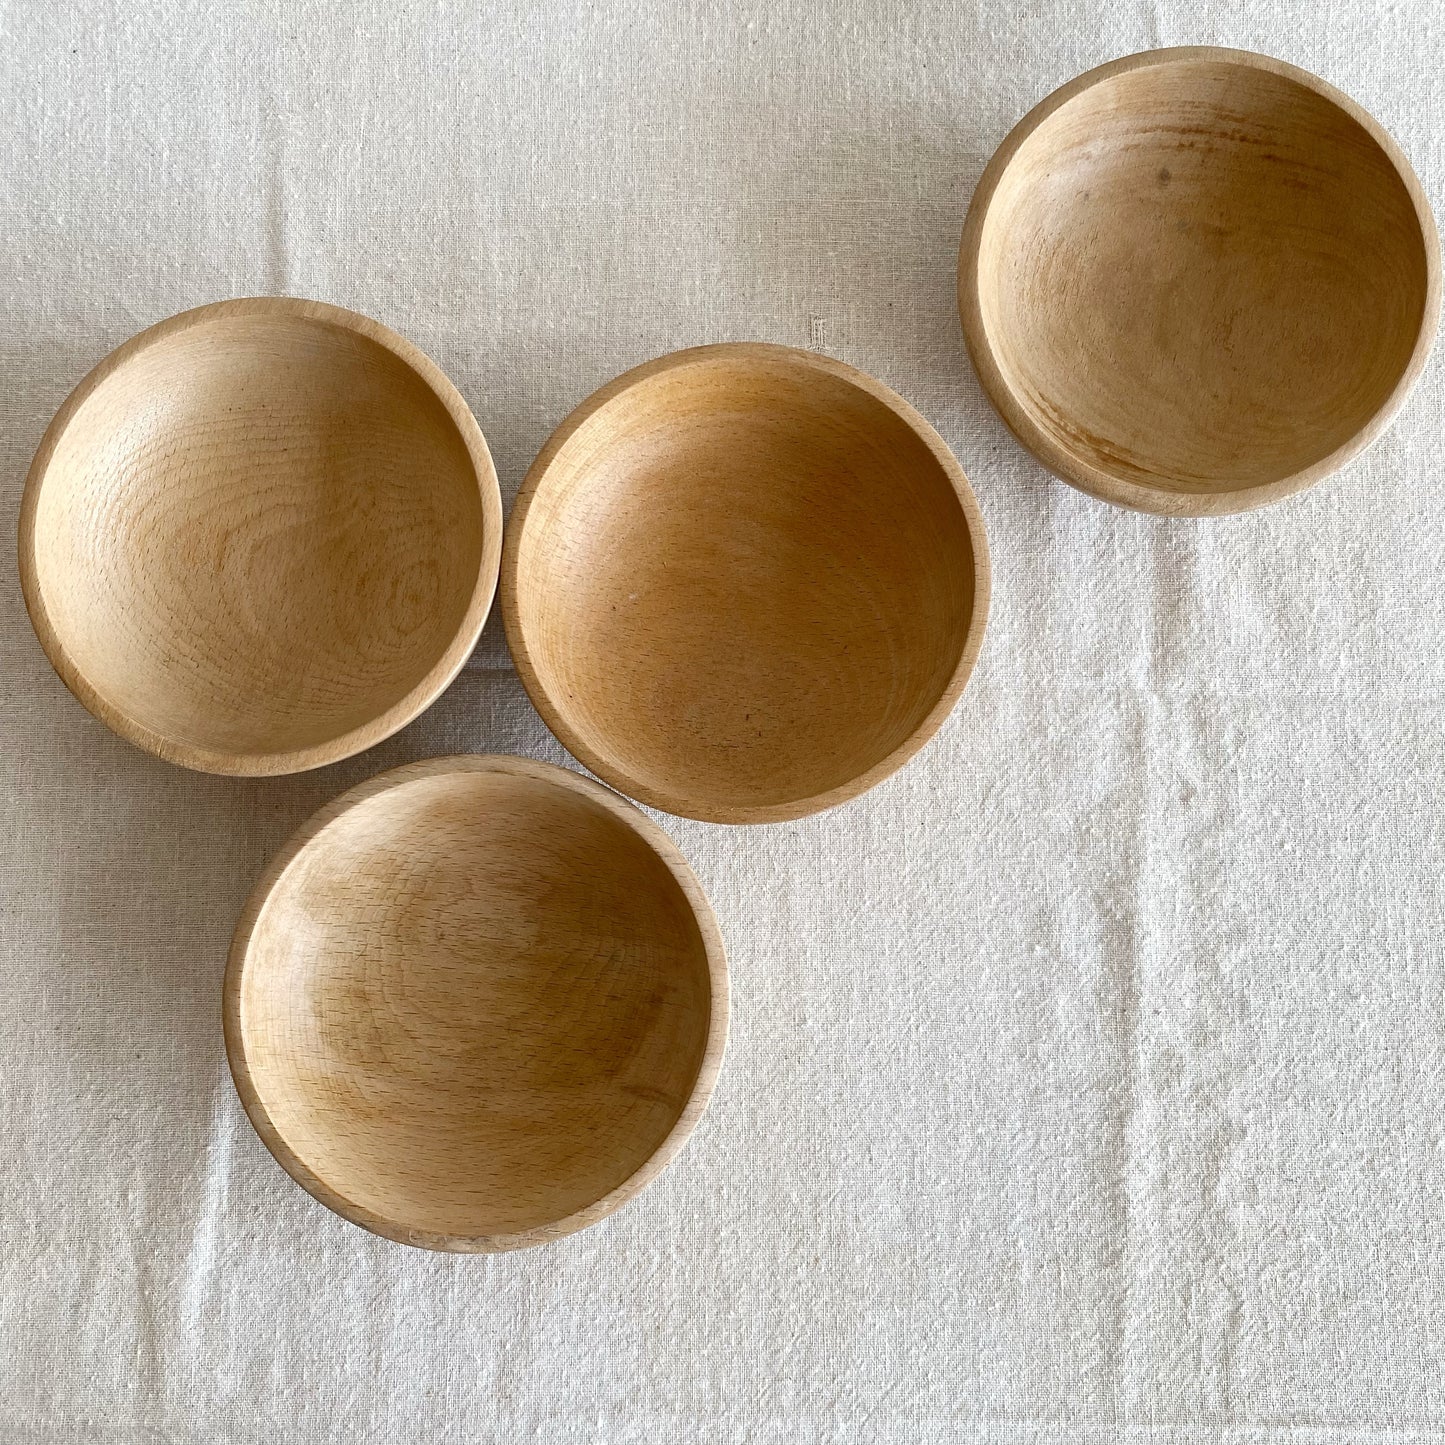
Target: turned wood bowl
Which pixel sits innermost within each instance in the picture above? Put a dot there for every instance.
(476, 1003)
(743, 583)
(1197, 280)
(261, 536)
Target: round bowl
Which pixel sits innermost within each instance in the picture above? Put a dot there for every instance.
(476, 1003)
(1197, 280)
(260, 536)
(743, 583)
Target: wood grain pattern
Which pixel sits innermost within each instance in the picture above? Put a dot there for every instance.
(1194, 281)
(743, 583)
(476, 1003)
(261, 536)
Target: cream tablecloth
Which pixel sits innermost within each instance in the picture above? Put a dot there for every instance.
(1085, 1079)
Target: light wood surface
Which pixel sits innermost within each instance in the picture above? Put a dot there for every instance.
(476, 1003)
(261, 536)
(743, 583)
(1197, 280)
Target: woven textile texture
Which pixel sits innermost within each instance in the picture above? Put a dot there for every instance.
(1084, 1081)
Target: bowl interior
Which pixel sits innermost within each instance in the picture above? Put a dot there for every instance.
(475, 1004)
(1201, 276)
(743, 582)
(259, 532)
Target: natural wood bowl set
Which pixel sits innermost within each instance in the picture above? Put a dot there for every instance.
(479, 1002)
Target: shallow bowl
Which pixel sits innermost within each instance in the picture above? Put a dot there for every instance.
(1194, 281)
(476, 1003)
(261, 536)
(744, 583)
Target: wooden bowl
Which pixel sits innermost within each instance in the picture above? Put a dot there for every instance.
(476, 1003)
(260, 536)
(1195, 281)
(744, 583)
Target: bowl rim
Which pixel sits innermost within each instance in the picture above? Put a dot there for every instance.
(687, 806)
(1112, 487)
(354, 740)
(508, 766)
